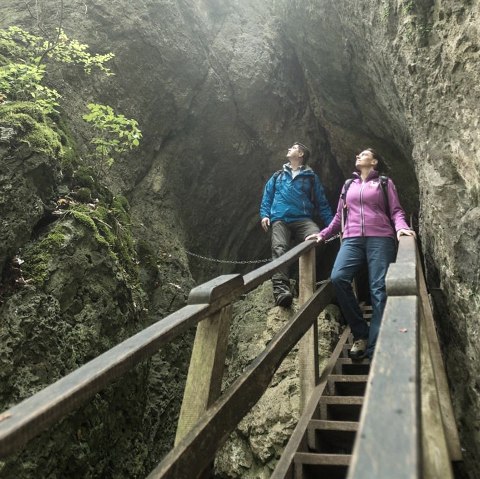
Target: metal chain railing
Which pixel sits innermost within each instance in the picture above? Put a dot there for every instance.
(227, 261)
(251, 261)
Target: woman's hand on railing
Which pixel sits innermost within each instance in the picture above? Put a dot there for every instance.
(405, 232)
(317, 237)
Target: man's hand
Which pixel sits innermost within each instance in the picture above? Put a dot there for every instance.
(404, 232)
(318, 237)
(265, 224)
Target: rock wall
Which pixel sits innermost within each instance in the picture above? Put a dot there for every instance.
(221, 88)
(408, 74)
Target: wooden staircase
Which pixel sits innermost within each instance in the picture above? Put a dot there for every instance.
(322, 443)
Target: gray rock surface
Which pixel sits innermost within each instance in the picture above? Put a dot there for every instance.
(221, 88)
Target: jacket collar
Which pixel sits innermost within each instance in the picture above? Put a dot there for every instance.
(371, 176)
(303, 168)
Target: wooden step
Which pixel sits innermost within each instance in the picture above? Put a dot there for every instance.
(313, 466)
(350, 366)
(340, 408)
(331, 437)
(322, 459)
(347, 384)
(330, 425)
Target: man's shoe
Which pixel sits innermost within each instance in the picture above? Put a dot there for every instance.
(284, 300)
(359, 349)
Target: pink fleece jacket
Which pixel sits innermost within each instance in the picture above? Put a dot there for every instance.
(366, 215)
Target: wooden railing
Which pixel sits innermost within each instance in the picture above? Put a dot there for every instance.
(407, 427)
(406, 430)
(206, 418)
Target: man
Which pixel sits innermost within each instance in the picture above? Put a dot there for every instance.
(289, 201)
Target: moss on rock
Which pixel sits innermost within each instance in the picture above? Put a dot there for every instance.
(33, 127)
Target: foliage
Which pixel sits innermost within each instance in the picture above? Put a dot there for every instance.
(24, 64)
(24, 60)
(116, 133)
(23, 82)
(31, 49)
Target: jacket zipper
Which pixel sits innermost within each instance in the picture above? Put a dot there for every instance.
(361, 209)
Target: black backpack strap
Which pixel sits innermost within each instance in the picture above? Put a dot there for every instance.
(344, 198)
(384, 185)
(275, 177)
(345, 189)
(312, 191)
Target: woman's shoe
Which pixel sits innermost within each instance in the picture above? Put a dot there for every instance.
(359, 349)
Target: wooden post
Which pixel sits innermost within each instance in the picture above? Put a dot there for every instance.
(308, 345)
(205, 373)
(436, 458)
(439, 374)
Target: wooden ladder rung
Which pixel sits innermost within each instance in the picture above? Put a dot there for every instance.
(349, 400)
(349, 366)
(326, 425)
(353, 361)
(322, 459)
(348, 378)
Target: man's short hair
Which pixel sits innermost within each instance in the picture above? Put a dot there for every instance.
(305, 151)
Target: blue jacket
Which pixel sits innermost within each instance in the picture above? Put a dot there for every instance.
(289, 199)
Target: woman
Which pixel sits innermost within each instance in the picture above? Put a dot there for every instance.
(368, 236)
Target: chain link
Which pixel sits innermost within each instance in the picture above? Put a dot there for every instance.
(216, 260)
(253, 261)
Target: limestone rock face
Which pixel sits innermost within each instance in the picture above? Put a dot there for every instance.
(221, 88)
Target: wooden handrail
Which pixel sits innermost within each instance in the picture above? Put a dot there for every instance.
(30, 417)
(194, 452)
(390, 420)
(388, 439)
(27, 419)
(407, 412)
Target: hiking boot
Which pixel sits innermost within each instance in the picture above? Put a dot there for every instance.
(284, 300)
(359, 349)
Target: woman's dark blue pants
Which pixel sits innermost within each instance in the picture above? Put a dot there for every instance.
(377, 252)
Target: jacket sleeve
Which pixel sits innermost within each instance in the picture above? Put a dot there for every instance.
(323, 206)
(267, 199)
(397, 214)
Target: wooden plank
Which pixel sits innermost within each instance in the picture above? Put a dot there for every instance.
(448, 416)
(436, 458)
(348, 378)
(349, 366)
(195, 451)
(388, 439)
(298, 436)
(308, 363)
(407, 250)
(333, 425)
(364, 361)
(348, 400)
(401, 278)
(205, 373)
(322, 459)
(215, 289)
(33, 415)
